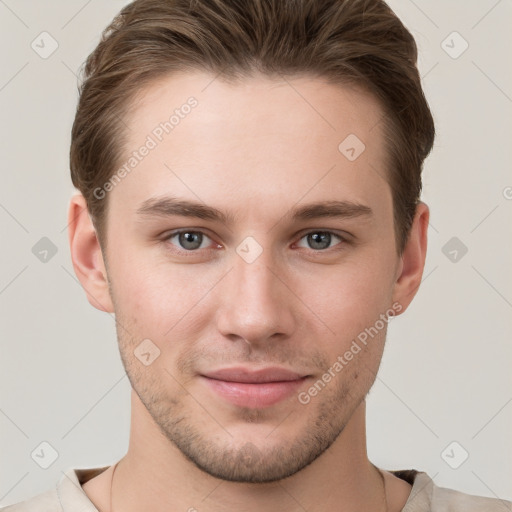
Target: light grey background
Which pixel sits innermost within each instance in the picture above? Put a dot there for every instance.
(446, 373)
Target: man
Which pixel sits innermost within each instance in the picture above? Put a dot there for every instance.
(249, 177)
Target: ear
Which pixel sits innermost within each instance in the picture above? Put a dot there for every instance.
(86, 255)
(410, 269)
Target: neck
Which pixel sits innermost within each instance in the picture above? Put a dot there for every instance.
(155, 475)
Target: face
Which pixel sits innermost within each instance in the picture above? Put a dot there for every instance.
(254, 289)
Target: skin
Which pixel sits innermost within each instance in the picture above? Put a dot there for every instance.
(256, 149)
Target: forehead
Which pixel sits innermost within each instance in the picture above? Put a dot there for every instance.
(259, 103)
(261, 140)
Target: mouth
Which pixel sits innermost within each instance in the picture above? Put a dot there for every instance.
(254, 388)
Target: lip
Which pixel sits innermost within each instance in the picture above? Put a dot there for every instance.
(242, 374)
(254, 388)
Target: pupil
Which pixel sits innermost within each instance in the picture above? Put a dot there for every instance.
(317, 238)
(188, 238)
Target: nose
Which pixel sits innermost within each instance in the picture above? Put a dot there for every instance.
(255, 301)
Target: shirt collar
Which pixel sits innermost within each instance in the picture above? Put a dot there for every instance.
(72, 497)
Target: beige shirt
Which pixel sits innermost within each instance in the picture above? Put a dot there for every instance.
(68, 496)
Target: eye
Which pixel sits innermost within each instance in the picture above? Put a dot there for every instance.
(188, 240)
(321, 240)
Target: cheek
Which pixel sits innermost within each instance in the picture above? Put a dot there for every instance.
(161, 301)
(349, 298)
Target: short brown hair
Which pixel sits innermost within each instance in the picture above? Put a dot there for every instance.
(359, 42)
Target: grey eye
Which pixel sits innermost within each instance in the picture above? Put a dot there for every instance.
(320, 240)
(188, 240)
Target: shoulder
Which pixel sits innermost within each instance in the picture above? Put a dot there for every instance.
(450, 500)
(68, 494)
(47, 501)
(426, 496)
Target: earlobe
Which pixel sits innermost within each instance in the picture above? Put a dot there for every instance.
(86, 255)
(413, 258)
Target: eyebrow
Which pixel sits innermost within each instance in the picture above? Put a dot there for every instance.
(171, 206)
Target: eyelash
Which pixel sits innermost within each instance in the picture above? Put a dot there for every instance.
(343, 240)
